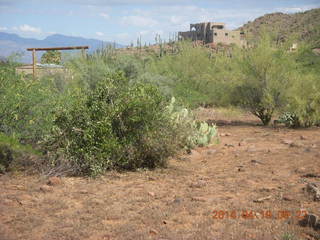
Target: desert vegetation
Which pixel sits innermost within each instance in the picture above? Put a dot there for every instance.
(127, 111)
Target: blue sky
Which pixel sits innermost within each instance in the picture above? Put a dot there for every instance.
(124, 20)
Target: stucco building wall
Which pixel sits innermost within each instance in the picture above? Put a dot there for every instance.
(213, 32)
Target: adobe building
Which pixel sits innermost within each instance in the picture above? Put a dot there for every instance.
(213, 33)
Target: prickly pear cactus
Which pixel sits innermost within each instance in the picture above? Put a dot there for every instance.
(205, 134)
(200, 133)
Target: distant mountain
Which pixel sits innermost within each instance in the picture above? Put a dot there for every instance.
(302, 26)
(12, 43)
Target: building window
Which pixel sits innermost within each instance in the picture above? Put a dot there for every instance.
(216, 34)
(226, 34)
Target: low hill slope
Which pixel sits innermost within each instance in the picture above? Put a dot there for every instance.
(303, 26)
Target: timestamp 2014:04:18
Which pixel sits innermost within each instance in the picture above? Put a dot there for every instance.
(254, 214)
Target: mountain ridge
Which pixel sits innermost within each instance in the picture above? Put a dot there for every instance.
(12, 43)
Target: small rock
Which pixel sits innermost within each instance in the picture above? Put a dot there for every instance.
(199, 199)
(225, 134)
(198, 184)
(229, 145)
(300, 170)
(311, 220)
(303, 137)
(298, 145)
(287, 141)
(315, 190)
(211, 152)
(83, 192)
(24, 198)
(177, 200)
(256, 162)
(153, 231)
(241, 169)
(18, 187)
(53, 181)
(260, 200)
(46, 188)
(287, 198)
(314, 146)
(266, 189)
(307, 150)
(152, 194)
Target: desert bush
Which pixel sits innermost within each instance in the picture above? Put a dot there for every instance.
(116, 125)
(26, 105)
(88, 71)
(303, 99)
(190, 72)
(263, 78)
(51, 57)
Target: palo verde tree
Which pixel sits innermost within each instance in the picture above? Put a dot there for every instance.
(263, 75)
(52, 56)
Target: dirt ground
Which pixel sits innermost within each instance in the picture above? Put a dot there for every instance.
(250, 186)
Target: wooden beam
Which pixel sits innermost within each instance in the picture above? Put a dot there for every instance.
(58, 48)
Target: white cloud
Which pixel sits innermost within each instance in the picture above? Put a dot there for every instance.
(3, 28)
(296, 9)
(100, 34)
(27, 29)
(104, 15)
(138, 21)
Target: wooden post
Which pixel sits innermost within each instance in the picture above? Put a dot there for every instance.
(34, 62)
(83, 52)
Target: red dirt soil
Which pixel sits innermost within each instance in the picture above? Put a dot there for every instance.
(259, 169)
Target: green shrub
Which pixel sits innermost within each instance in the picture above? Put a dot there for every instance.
(11, 151)
(26, 106)
(117, 125)
(88, 71)
(53, 57)
(189, 73)
(303, 99)
(264, 74)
